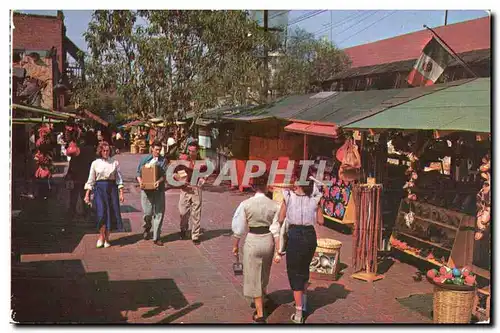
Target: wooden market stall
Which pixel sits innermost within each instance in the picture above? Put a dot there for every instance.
(25, 120)
(319, 118)
(252, 133)
(436, 219)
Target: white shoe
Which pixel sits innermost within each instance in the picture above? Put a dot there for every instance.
(106, 244)
(99, 244)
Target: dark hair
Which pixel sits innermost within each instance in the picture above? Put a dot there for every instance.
(90, 138)
(194, 144)
(308, 189)
(156, 143)
(260, 183)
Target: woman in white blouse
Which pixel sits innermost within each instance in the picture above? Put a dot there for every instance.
(301, 209)
(105, 181)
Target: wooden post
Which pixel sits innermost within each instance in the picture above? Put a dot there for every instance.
(305, 155)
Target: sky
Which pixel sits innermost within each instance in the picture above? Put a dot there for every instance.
(350, 27)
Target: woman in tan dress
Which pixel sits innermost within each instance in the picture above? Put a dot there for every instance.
(257, 214)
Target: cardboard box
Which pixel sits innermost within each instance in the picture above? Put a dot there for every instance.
(149, 176)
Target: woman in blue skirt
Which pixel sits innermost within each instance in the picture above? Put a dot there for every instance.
(105, 181)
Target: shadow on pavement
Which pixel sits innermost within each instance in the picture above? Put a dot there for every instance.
(224, 189)
(128, 209)
(384, 265)
(43, 226)
(316, 299)
(171, 237)
(181, 313)
(211, 234)
(321, 296)
(62, 292)
(127, 240)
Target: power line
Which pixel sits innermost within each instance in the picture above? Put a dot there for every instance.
(355, 24)
(382, 18)
(283, 12)
(303, 16)
(306, 16)
(279, 14)
(343, 21)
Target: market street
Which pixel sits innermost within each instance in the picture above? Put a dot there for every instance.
(59, 276)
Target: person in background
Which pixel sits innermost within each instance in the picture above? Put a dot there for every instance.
(126, 137)
(257, 214)
(62, 144)
(302, 210)
(119, 142)
(32, 142)
(78, 171)
(153, 201)
(191, 196)
(171, 147)
(105, 181)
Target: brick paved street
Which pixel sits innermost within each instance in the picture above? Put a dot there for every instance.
(59, 276)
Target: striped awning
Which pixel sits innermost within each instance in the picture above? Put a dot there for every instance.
(327, 130)
(96, 118)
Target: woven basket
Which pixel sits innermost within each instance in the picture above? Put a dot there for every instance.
(327, 245)
(452, 306)
(134, 149)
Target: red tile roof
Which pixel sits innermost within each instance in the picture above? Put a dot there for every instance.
(461, 37)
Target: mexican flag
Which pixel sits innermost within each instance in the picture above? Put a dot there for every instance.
(430, 65)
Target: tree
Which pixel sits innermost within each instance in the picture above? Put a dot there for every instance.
(173, 62)
(305, 63)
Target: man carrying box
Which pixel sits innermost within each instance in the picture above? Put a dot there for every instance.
(151, 178)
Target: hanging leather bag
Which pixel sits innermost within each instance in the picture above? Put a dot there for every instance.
(350, 169)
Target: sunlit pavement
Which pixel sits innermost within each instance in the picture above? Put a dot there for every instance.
(58, 275)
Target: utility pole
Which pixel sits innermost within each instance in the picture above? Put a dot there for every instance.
(331, 26)
(266, 51)
(445, 17)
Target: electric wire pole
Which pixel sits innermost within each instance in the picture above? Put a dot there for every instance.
(266, 51)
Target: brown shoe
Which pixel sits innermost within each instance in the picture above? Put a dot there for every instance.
(158, 243)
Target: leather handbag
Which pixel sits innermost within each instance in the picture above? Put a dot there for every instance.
(283, 237)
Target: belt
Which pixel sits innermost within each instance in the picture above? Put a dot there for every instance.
(259, 230)
(299, 226)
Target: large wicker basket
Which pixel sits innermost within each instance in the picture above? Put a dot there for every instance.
(452, 306)
(328, 245)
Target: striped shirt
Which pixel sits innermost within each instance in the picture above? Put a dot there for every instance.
(301, 209)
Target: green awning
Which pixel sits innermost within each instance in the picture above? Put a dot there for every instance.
(466, 107)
